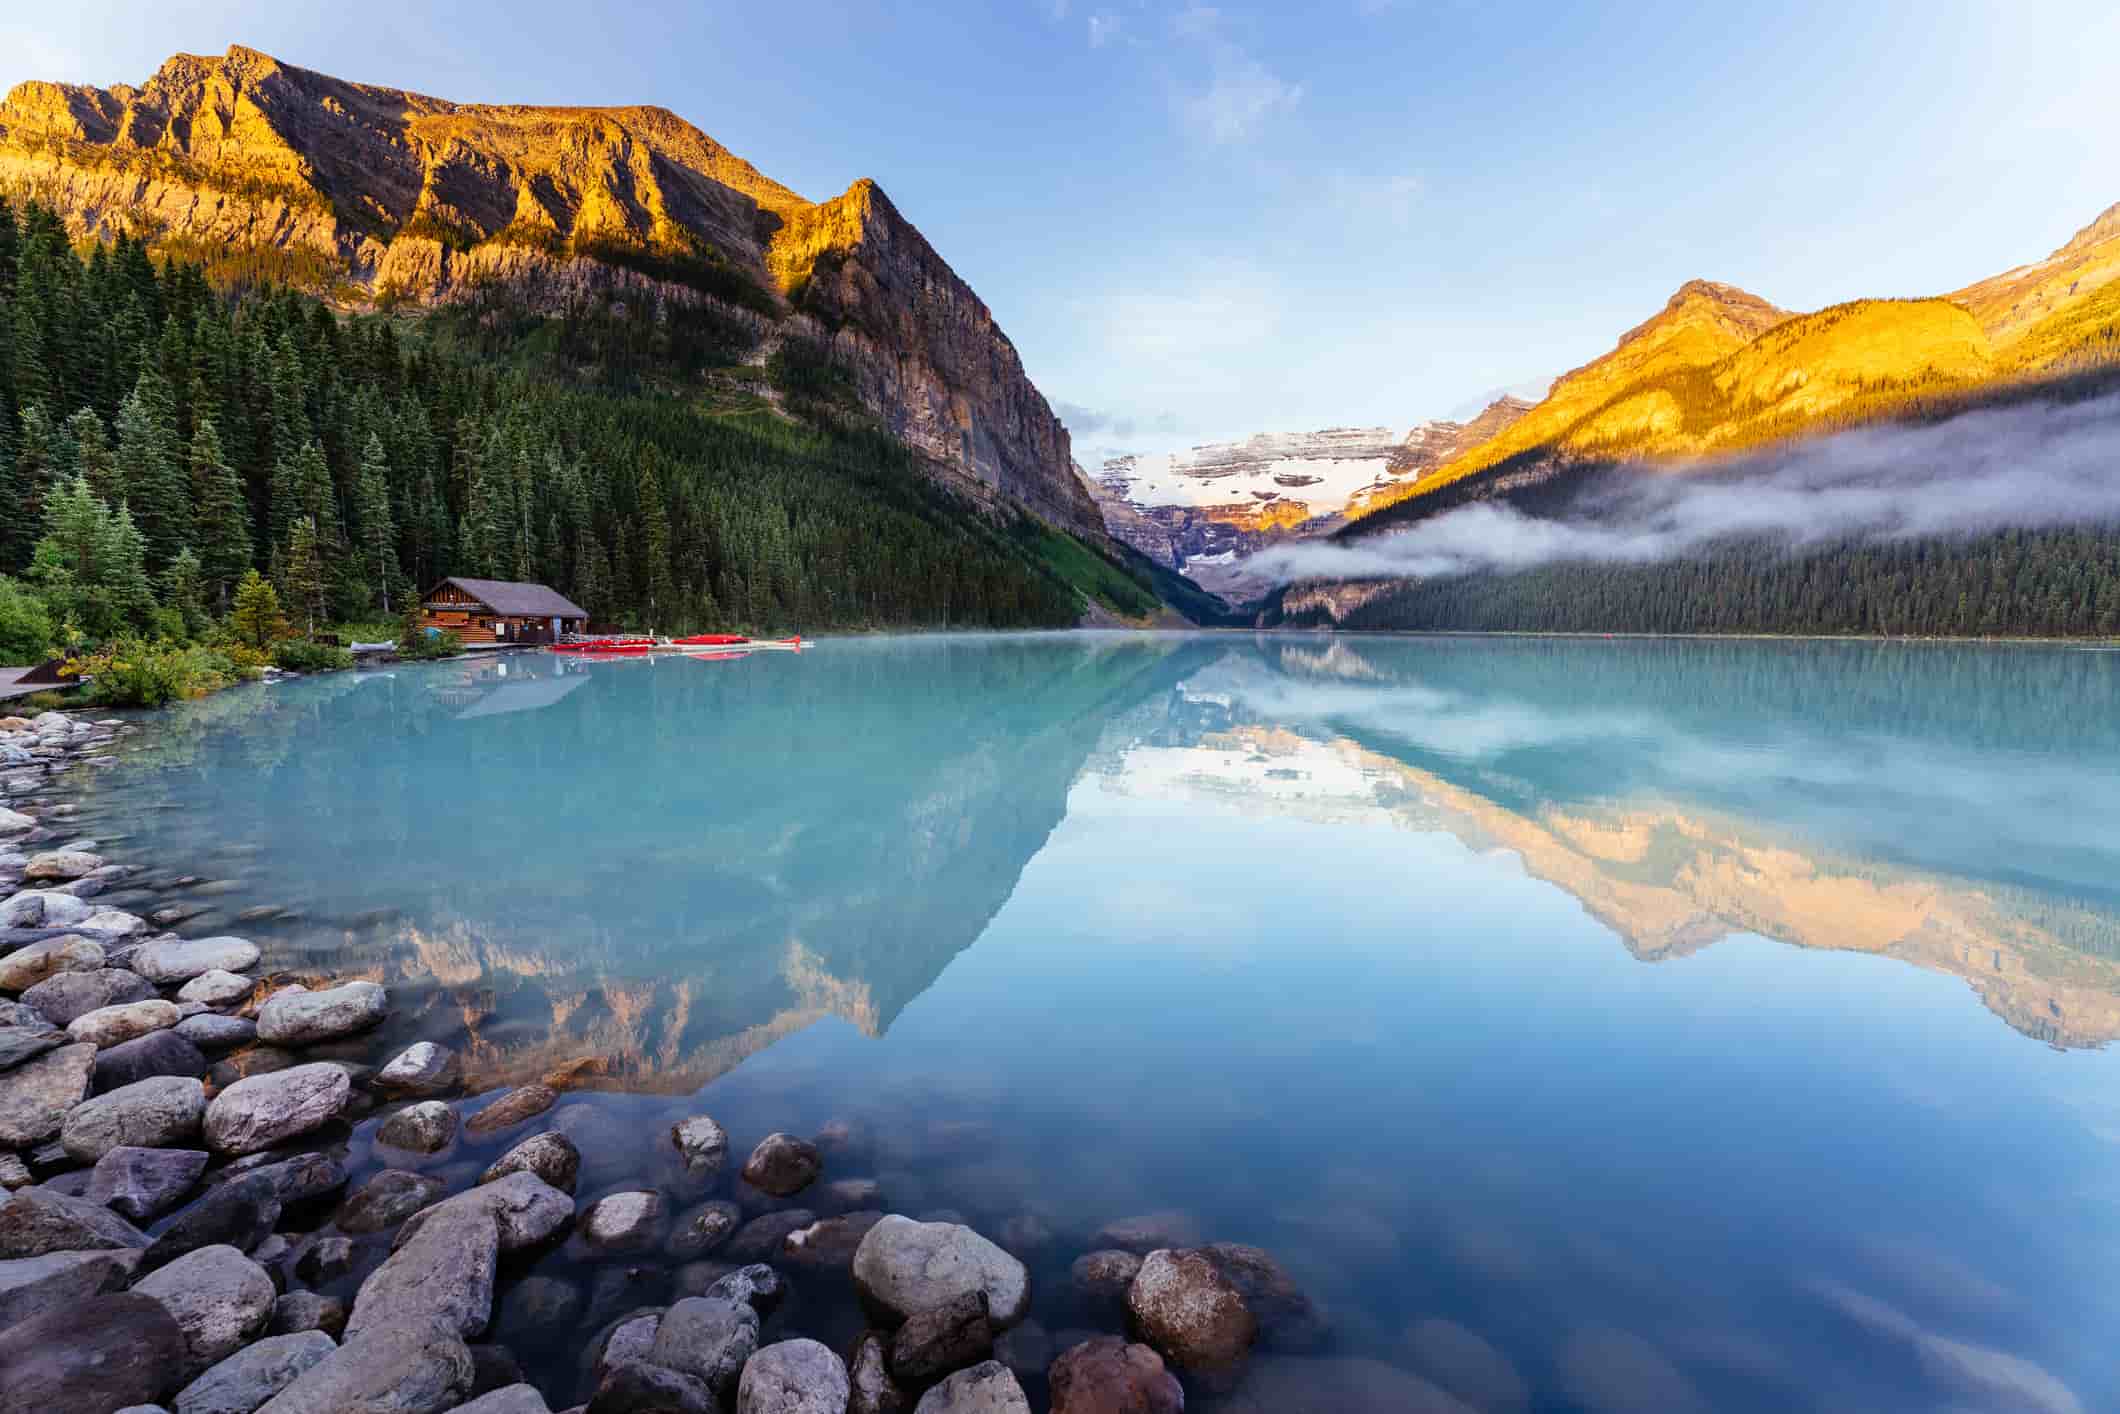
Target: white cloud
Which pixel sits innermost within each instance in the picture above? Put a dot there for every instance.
(1387, 199)
(1240, 94)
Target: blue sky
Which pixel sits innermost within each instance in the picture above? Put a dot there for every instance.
(1204, 222)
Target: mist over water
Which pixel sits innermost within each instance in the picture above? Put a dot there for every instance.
(2027, 467)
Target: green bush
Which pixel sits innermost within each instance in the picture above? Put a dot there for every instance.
(132, 672)
(25, 625)
(300, 655)
(424, 646)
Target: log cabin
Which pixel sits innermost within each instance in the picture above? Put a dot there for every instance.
(501, 611)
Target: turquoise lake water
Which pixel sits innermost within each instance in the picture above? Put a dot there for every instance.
(1702, 1025)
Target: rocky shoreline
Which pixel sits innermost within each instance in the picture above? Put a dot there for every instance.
(219, 1203)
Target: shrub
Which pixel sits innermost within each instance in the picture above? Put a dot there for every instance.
(426, 646)
(301, 655)
(130, 672)
(25, 624)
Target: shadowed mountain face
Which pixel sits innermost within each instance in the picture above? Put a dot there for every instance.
(638, 874)
(367, 193)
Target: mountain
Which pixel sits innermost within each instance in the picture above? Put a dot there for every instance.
(1203, 510)
(1719, 369)
(376, 196)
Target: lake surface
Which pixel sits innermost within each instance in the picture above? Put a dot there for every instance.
(1702, 1025)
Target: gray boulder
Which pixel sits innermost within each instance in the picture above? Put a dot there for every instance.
(441, 1273)
(624, 1222)
(828, 1243)
(420, 1070)
(702, 1146)
(170, 963)
(425, 1128)
(36, 1095)
(34, 1221)
(216, 987)
(709, 1340)
(783, 1165)
(61, 864)
(638, 1387)
(111, 925)
(904, 1266)
(43, 908)
(141, 1184)
(513, 1399)
(144, 1057)
(30, 1286)
(764, 1239)
(210, 1032)
(69, 952)
(246, 1379)
(112, 1352)
(157, 1113)
(793, 1377)
(402, 1367)
(298, 1018)
(987, 1388)
(241, 1215)
(110, 1025)
(219, 1297)
(386, 1200)
(938, 1339)
(757, 1286)
(263, 1110)
(524, 1208)
(62, 998)
(550, 1155)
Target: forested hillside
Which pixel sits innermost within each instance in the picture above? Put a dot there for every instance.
(159, 437)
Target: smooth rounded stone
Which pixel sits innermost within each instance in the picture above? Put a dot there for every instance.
(299, 1311)
(623, 1222)
(627, 1342)
(325, 1259)
(1108, 1375)
(938, 1339)
(1100, 1277)
(510, 1399)
(36, 1094)
(141, 1184)
(702, 1145)
(220, 1299)
(904, 1266)
(1182, 1304)
(111, 1025)
(1145, 1233)
(30, 1286)
(794, 1377)
(550, 1155)
(263, 1110)
(420, 1070)
(1288, 1320)
(829, 1242)
(639, 1387)
(68, 996)
(34, 1221)
(236, 1215)
(43, 908)
(699, 1230)
(61, 864)
(159, 1053)
(520, 1104)
(111, 924)
(763, 1239)
(539, 1303)
(115, 1351)
(258, 1060)
(783, 1165)
(157, 1113)
(846, 1195)
(168, 964)
(246, 1379)
(211, 1032)
(525, 1209)
(69, 952)
(709, 1339)
(443, 1273)
(386, 1200)
(425, 1128)
(757, 1286)
(21, 1017)
(402, 1367)
(216, 987)
(297, 1018)
(14, 822)
(986, 1388)
(1465, 1365)
(1291, 1385)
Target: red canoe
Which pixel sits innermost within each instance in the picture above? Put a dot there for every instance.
(710, 640)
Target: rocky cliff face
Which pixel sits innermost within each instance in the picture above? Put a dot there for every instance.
(400, 194)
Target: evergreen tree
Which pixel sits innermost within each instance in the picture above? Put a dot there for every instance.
(183, 593)
(150, 468)
(256, 614)
(302, 576)
(86, 452)
(378, 532)
(223, 520)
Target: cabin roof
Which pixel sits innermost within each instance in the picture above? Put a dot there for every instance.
(514, 599)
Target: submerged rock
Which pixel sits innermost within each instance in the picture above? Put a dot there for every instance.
(783, 1165)
(425, 1128)
(524, 1102)
(385, 1201)
(1182, 1304)
(639, 1387)
(1466, 1366)
(764, 1239)
(904, 1266)
(700, 1230)
(624, 1222)
(550, 1155)
(1108, 1375)
(263, 1110)
(829, 1242)
(793, 1377)
(941, 1338)
(420, 1070)
(987, 1388)
(299, 1018)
